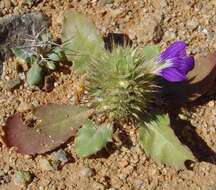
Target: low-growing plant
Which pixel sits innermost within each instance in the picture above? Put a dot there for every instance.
(138, 84)
(41, 53)
(124, 83)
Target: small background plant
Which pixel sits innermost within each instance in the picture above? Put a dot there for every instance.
(41, 53)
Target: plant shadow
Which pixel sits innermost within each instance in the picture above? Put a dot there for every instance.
(202, 101)
(105, 152)
(188, 136)
(117, 39)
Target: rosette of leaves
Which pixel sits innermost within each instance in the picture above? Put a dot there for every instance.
(120, 84)
(41, 54)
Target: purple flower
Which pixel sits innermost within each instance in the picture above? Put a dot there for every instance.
(176, 61)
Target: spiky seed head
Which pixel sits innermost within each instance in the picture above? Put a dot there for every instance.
(121, 83)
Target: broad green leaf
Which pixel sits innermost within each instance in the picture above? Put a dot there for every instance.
(151, 51)
(35, 75)
(160, 143)
(81, 41)
(51, 126)
(92, 138)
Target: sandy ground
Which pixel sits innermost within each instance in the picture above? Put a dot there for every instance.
(123, 166)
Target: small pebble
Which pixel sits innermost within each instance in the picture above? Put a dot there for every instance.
(212, 129)
(55, 164)
(23, 106)
(23, 177)
(205, 31)
(11, 84)
(98, 186)
(153, 172)
(45, 165)
(169, 35)
(123, 176)
(123, 163)
(87, 172)
(138, 184)
(60, 155)
(7, 4)
(105, 2)
(4, 178)
(30, 2)
(192, 24)
(211, 104)
(22, 76)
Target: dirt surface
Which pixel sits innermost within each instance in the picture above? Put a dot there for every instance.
(123, 166)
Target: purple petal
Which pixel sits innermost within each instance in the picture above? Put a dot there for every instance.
(172, 74)
(176, 49)
(184, 64)
(179, 63)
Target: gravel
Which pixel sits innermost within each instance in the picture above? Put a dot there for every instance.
(87, 172)
(192, 21)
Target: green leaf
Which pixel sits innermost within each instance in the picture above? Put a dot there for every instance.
(150, 51)
(51, 65)
(51, 126)
(159, 142)
(31, 60)
(18, 52)
(81, 41)
(56, 55)
(92, 138)
(22, 53)
(35, 75)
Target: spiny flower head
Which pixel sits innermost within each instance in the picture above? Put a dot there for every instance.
(121, 83)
